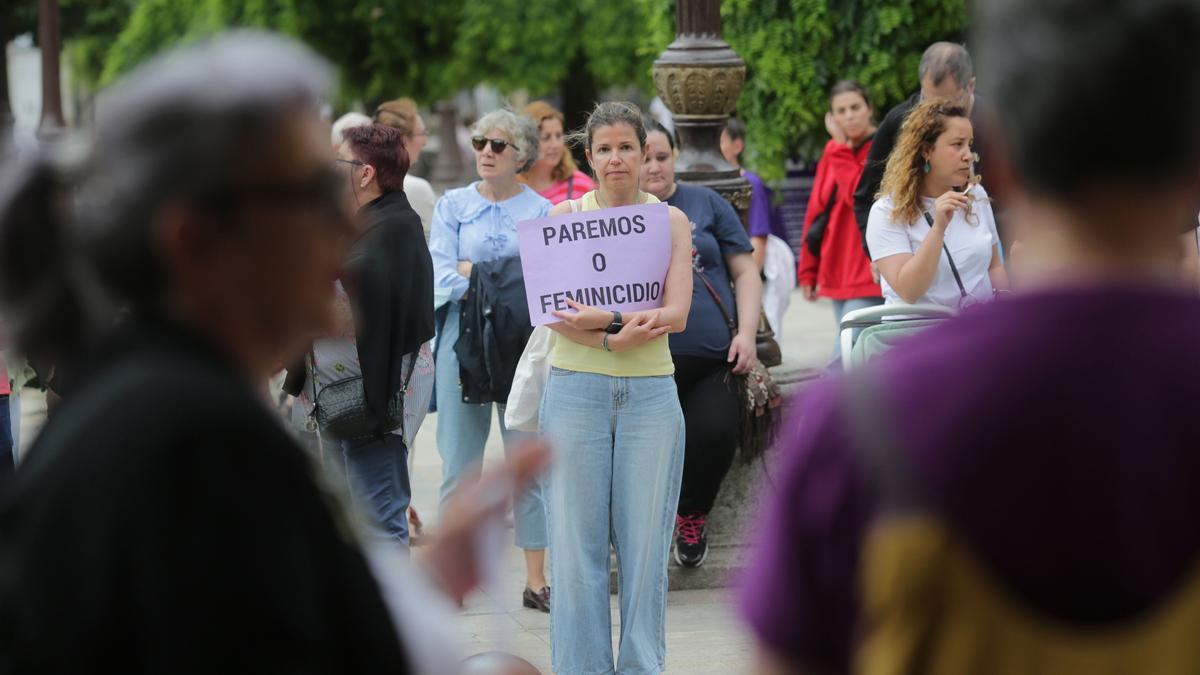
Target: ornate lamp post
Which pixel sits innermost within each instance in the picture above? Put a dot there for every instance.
(700, 78)
(52, 122)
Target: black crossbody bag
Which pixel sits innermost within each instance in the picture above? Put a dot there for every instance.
(962, 290)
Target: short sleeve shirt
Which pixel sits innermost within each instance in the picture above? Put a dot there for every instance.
(970, 242)
(716, 232)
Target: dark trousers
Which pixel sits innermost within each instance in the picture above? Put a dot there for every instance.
(709, 400)
(378, 473)
(7, 463)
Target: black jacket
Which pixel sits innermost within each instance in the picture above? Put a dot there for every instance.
(493, 329)
(165, 522)
(389, 278)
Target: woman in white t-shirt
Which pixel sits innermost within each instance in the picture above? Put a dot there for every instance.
(932, 232)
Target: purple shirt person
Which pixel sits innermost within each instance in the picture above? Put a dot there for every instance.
(763, 218)
(1051, 436)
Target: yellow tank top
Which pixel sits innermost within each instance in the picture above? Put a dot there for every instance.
(652, 358)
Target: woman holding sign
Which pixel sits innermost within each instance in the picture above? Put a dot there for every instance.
(474, 224)
(704, 354)
(612, 413)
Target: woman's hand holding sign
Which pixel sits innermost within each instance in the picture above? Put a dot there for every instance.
(584, 317)
(639, 328)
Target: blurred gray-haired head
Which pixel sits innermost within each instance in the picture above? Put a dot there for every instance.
(347, 121)
(1073, 84)
(182, 125)
(946, 59)
(176, 128)
(522, 130)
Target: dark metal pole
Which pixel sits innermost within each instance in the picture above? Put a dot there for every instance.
(699, 79)
(52, 122)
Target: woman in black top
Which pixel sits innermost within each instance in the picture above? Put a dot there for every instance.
(165, 521)
(706, 353)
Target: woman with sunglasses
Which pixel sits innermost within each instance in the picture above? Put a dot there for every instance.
(474, 224)
(932, 232)
(553, 175)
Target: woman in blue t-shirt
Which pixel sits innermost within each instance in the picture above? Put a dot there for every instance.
(705, 352)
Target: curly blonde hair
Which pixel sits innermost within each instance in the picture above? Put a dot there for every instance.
(540, 111)
(904, 174)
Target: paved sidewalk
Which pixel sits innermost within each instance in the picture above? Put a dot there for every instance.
(704, 634)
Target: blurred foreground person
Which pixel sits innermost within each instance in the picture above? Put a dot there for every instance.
(164, 521)
(1014, 491)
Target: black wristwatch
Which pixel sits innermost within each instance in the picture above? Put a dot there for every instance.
(616, 325)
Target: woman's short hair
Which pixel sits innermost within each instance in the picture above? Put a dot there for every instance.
(849, 87)
(382, 147)
(519, 129)
(904, 175)
(1062, 78)
(735, 129)
(608, 114)
(652, 125)
(539, 112)
(399, 114)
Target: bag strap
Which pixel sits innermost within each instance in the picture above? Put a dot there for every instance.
(571, 186)
(720, 305)
(962, 291)
(312, 415)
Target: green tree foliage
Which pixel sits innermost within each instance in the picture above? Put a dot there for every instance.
(795, 50)
(427, 49)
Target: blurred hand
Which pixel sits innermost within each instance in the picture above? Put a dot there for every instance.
(810, 293)
(451, 558)
(743, 352)
(464, 268)
(584, 317)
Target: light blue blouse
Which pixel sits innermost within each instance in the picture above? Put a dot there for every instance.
(466, 226)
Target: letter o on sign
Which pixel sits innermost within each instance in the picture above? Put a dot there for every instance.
(599, 263)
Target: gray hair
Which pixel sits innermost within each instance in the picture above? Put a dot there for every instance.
(180, 125)
(177, 127)
(347, 121)
(946, 59)
(521, 130)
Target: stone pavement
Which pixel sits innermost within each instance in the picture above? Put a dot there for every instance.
(704, 634)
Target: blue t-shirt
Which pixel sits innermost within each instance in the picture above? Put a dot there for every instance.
(716, 232)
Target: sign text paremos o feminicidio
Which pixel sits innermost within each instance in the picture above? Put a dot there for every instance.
(611, 258)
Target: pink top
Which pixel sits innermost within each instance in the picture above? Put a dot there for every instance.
(5, 386)
(579, 182)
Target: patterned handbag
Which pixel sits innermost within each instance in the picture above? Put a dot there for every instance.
(341, 407)
(758, 395)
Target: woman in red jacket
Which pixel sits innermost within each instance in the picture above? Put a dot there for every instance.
(832, 261)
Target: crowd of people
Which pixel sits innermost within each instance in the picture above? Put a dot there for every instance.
(957, 506)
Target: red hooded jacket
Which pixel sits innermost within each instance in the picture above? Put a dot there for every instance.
(842, 271)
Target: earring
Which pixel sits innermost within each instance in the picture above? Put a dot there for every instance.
(927, 168)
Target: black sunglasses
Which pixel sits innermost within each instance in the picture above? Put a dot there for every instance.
(498, 145)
